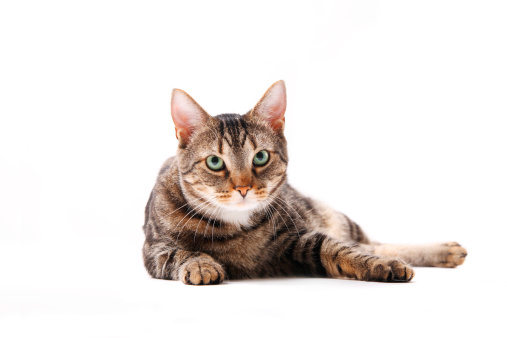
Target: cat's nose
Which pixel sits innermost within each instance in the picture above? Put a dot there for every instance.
(243, 190)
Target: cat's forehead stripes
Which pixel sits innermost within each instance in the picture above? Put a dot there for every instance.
(234, 130)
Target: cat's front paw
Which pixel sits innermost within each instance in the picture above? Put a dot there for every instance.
(452, 255)
(388, 270)
(202, 272)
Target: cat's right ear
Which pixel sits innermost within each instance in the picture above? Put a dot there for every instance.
(188, 116)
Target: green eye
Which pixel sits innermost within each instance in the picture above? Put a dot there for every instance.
(261, 158)
(215, 163)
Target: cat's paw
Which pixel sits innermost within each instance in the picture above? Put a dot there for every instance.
(452, 255)
(202, 272)
(388, 270)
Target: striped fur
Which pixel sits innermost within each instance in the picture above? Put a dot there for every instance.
(200, 230)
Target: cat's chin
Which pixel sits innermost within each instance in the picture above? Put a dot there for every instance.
(241, 206)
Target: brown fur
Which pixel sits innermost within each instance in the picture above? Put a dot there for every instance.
(195, 234)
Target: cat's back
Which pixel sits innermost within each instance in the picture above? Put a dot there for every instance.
(167, 180)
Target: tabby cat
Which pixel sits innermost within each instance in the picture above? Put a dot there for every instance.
(222, 208)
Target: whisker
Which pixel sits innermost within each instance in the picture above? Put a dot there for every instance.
(213, 226)
(289, 217)
(194, 199)
(269, 223)
(198, 224)
(288, 205)
(220, 225)
(209, 219)
(193, 209)
(270, 218)
(283, 219)
(195, 213)
(275, 223)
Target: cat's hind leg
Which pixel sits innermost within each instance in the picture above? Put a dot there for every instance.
(445, 255)
(337, 225)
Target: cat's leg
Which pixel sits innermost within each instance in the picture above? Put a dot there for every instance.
(338, 225)
(446, 255)
(345, 259)
(342, 228)
(195, 268)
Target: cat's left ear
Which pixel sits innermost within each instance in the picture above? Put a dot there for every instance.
(271, 107)
(188, 116)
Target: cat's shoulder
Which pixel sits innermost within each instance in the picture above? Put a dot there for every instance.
(167, 165)
(168, 173)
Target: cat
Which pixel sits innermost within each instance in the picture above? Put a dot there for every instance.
(222, 209)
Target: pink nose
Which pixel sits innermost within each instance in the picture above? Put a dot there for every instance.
(243, 190)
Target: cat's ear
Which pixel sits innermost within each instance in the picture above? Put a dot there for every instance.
(271, 107)
(188, 116)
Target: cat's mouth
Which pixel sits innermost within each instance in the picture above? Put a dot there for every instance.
(237, 202)
(246, 204)
(240, 204)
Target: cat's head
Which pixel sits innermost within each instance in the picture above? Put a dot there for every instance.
(231, 165)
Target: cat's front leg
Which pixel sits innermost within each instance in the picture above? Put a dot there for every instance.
(346, 260)
(191, 267)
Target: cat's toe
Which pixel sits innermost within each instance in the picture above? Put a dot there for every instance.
(402, 272)
(212, 274)
(202, 273)
(454, 255)
(389, 270)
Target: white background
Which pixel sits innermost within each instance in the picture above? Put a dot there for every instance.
(396, 116)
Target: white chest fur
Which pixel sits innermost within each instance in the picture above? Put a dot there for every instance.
(237, 217)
